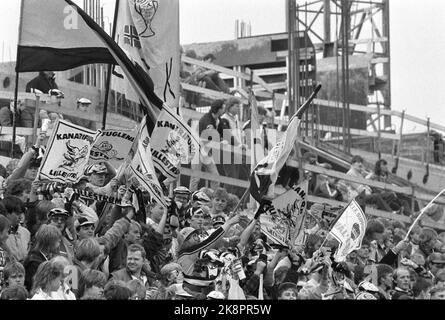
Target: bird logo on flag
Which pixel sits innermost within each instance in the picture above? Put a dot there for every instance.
(146, 9)
(74, 156)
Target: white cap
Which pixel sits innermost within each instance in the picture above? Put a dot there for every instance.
(216, 295)
(84, 100)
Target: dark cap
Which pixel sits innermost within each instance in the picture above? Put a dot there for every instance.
(436, 257)
(218, 220)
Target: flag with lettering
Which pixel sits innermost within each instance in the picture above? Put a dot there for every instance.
(112, 145)
(283, 222)
(349, 230)
(141, 169)
(67, 152)
(173, 143)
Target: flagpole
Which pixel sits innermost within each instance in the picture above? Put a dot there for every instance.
(422, 212)
(110, 70)
(16, 89)
(253, 159)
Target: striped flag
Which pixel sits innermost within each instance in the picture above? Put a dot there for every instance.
(57, 35)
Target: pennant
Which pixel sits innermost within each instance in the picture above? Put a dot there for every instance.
(349, 230)
(141, 166)
(265, 174)
(67, 152)
(112, 146)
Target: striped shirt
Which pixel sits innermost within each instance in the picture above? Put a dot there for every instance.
(188, 256)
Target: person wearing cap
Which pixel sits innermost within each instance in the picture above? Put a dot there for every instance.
(59, 218)
(427, 242)
(436, 262)
(85, 229)
(97, 174)
(84, 109)
(199, 198)
(437, 293)
(216, 295)
(191, 244)
(180, 204)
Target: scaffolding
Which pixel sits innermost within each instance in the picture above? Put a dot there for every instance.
(341, 29)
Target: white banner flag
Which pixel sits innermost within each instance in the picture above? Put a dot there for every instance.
(349, 230)
(173, 143)
(67, 152)
(148, 30)
(141, 166)
(112, 146)
(283, 223)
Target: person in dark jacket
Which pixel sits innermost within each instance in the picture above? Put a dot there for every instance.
(208, 125)
(48, 239)
(135, 267)
(44, 82)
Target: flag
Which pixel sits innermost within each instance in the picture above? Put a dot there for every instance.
(265, 174)
(53, 37)
(173, 143)
(283, 222)
(349, 230)
(112, 146)
(67, 152)
(148, 31)
(256, 140)
(64, 33)
(141, 167)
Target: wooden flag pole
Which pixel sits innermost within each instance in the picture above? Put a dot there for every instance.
(109, 71)
(16, 89)
(422, 212)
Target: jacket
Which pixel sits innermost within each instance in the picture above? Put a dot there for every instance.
(42, 83)
(207, 121)
(32, 262)
(18, 243)
(125, 276)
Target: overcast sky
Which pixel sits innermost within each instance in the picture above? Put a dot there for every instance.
(417, 41)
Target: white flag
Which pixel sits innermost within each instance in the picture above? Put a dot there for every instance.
(349, 230)
(141, 166)
(148, 31)
(67, 152)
